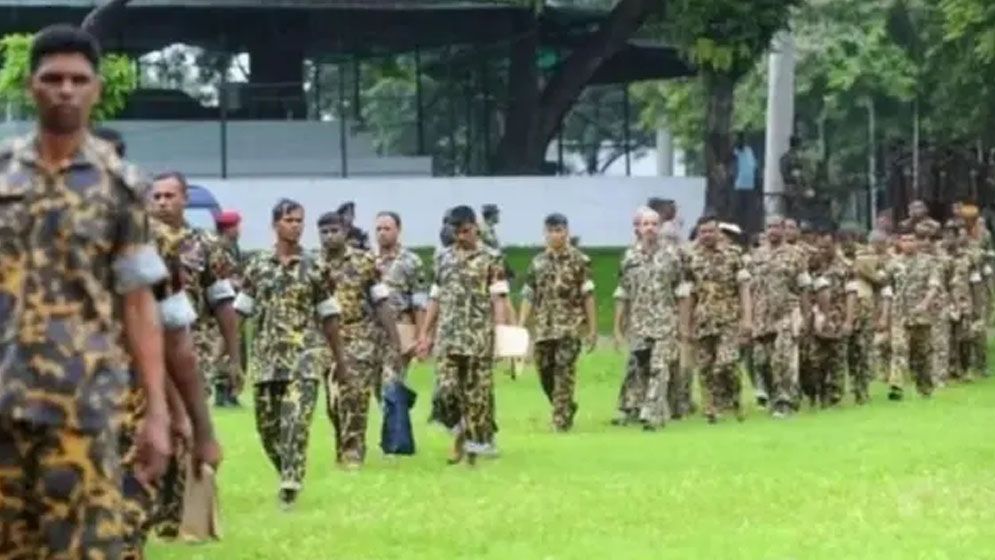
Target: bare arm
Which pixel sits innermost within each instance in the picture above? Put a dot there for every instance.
(388, 320)
(746, 303)
(525, 312)
(181, 365)
(330, 328)
(503, 313)
(144, 339)
(851, 312)
(228, 324)
(591, 314)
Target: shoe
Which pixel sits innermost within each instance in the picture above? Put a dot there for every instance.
(287, 497)
(779, 414)
(895, 394)
(573, 412)
(220, 397)
(233, 402)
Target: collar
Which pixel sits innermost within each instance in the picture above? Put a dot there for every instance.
(89, 154)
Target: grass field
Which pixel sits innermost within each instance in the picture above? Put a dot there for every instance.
(903, 481)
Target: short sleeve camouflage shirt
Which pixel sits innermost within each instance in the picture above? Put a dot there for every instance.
(779, 275)
(358, 288)
(557, 284)
(405, 276)
(714, 276)
(465, 282)
(287, 298)
(910, 279)
(833, 279)
(69, 238)
(648, 282)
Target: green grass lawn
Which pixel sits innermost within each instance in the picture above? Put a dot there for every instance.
(903, 481)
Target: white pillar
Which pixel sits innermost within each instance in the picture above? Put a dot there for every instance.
(664, 153)
(780, 117)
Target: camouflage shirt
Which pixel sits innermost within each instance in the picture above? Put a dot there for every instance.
(779, 277)
(909, 279)
(557, 284)
(404, 275)
(965, 275)
(208, 268)
(714, 277)
(833, 279)
(285, 297)
(69, 239)
(358, 290)
(648, 283)
(464, 284)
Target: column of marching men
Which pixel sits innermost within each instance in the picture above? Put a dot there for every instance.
(99, 273)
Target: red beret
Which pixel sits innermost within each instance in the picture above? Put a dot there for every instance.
(228, 218)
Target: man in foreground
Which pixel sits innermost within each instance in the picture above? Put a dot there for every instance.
(76, 271)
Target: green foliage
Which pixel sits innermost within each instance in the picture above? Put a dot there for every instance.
(117, 71)
(725, 36)
(973, 20)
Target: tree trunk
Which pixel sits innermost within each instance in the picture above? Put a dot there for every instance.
(530, 128)
(719, 89)
(101, 20)
(514, 149)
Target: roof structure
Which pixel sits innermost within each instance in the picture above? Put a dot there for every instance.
(334, 27)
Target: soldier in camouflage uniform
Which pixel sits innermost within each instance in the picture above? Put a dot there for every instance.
(76, 271)
(631, 393)
(285, 289)
(365, 313)
(559, 296)
(912, 282)
(468, 297)
(647, 289)
(226, 386)
(716, 314)
(186, 391)
(780, 283)
(966, 301)
(871, 269)
(404, 275)
(794, 237)
(927, 233)
(833, 320)
(980, 248)
(866, 275)
(209, 285)
(207, 270)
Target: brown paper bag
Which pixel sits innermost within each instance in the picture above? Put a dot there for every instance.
(200, 521)
(408, 335)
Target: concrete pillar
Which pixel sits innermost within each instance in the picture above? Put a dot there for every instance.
(780, 117)
(664, 153)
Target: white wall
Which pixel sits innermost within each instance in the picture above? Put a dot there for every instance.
(600, 209)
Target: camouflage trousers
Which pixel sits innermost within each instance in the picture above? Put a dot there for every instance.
(775, 363)
(859, 348)
(167, 511)
(61, 493)
(207, 345)
(829, 369)
(808, 377)
(654, 361)
(716, 357)
(283, 419)
(556, 361)
(387, 372)
(630, 395)
(348, 406)
(881, 356)
(465, 396)
(940, 334)
(912, 350)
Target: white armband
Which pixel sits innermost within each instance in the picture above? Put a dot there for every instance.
(804, 280)
(500, 288)
(419, 300)
(379, 292)
(620, 293)
(987, 271)
(683, 290)
(220, 291)
(743, 276)
(138, 269)
(587, 287)
(888, 293)
(244, 304)
(852, 286)
(176, 312)
(975, 278)
(527, 293)
(434, 292)
(820, 283)
(328, 308)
